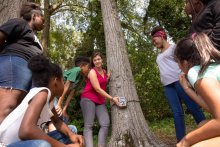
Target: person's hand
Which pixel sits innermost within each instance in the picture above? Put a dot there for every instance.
(184, 82)
(115, 100)
(59, 110)
(77, 139)
(182, 143)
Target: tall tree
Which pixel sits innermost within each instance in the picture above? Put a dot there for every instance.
(10, 9)
(129, 127)
(49, 9)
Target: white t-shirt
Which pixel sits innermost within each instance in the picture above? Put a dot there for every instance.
(9, 128)
(169, 69)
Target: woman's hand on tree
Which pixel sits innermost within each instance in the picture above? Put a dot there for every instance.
(115, 100)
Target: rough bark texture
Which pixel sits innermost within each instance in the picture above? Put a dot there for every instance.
(10, 9)
(129, 127)
(46, 32)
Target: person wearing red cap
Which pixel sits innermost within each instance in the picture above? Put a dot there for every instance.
(169, 75)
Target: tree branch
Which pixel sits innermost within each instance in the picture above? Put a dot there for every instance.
(54, 7)
(131, 28)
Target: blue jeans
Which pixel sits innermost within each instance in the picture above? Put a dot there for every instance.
(61, 137)
(30, 143)
(175, 94)
(14, 73)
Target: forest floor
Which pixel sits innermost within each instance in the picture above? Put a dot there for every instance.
(165, 131)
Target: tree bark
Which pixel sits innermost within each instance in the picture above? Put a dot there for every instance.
(129, 127)
(46, 31)
(48, 12)
(10, 9)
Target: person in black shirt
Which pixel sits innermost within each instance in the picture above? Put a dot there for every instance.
(205, 18)
(18, 43)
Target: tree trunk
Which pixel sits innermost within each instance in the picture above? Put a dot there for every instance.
(10, 9)
(129, 127)
(46, 32)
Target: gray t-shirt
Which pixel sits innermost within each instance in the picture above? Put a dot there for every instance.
(169, 69)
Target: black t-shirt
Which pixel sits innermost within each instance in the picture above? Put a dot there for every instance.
(208, 21)
(21, 40)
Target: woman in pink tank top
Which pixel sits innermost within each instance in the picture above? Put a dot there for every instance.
(93, 102)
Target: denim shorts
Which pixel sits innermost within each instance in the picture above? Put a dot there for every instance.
(14, 73)
(61, 137)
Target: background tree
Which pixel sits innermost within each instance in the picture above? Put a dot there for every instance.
(76, 28)
(10, 9)
(129, 128)
(169, 14)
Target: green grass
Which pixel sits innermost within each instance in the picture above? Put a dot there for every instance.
(165, 131)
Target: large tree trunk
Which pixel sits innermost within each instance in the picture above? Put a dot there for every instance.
(10, 9)
(129, 127)
(46, 32)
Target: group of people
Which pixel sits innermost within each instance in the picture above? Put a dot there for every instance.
(30, 113)
(189, 72)
(33, 89)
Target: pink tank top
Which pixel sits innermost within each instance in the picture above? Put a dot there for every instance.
(90, 93)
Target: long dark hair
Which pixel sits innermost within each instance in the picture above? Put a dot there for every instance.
(197, 49)
(43, 70)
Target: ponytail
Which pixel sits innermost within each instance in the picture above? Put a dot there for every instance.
(206, 50)
(197, 50)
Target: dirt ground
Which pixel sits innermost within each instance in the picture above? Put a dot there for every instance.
(170, 140)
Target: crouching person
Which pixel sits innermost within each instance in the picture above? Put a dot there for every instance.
(26, 124)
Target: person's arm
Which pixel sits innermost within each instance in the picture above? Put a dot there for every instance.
(62, 127)
(60, 101)
(191, 93)
(29, 129)
(70, 96)
(3, 38)
(209, 89)
(95, 84)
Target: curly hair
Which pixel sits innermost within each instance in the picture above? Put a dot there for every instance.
(43, 70)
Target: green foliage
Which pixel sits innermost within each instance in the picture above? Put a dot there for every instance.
(63, 45)
(93, 37)
(147, 81)
(142, 57)
(171, 15)
(78, 30)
